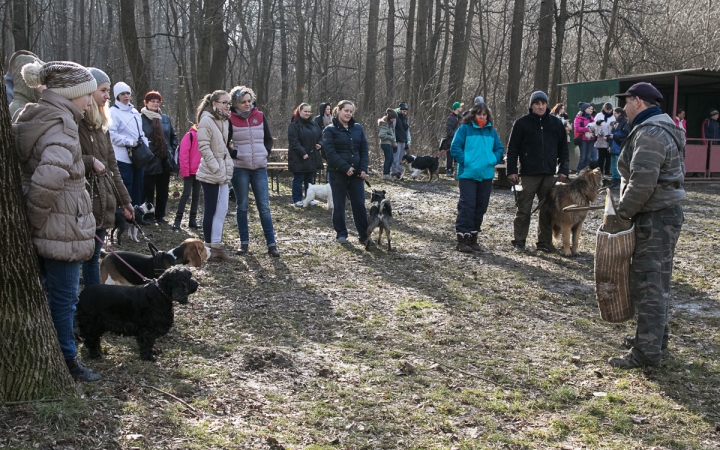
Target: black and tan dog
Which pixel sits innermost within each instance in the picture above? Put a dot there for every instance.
(581, 191)
(420, 164)
(114, 271)
(145, 312)
(380, 215)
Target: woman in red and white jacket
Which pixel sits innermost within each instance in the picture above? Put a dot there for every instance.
(189, 161)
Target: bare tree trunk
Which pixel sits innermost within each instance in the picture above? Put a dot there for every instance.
(31, 363)
(325, 51)
(148, 42)
(455, 81)
(61, 38)
(560, 21)
(513, 76)
(81, 47)
(579, 40)
(284, 64)
(132, 48)
(390, 51)
(608, 40)
(213, 50)
(446, 46)
(371, 58)
(544, 48)
(300, 53)
(409, 49)
(193, 26)
(20, 12)
(421, 54)
(266, 32)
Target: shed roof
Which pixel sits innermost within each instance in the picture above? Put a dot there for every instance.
(691, 80)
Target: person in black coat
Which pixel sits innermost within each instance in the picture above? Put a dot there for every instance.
(346, 153)
(304, 138)
(163, 143)
(324, 117)
(538, 139)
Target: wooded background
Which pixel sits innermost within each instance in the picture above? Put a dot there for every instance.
(429, 53)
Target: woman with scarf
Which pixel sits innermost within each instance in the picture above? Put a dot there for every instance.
(105, 184)
(477, 149)
(304, 138)
(253, 142)
(163, 143)
(324, 118)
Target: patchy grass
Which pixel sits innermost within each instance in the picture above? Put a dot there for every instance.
(330, 346)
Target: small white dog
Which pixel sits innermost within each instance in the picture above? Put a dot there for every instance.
(319, 191)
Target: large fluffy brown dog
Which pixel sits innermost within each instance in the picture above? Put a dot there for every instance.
(581, 191)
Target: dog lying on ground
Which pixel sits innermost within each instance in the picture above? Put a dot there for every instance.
(581, 191)
(113, 271)
(145, 312)
(380, 215)
(319, 191)
(419, 164)
(122, 224)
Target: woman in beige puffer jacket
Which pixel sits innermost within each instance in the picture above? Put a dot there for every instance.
(216, 168)
(58, 205)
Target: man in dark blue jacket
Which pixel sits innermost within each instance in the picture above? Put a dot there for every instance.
(538, 140)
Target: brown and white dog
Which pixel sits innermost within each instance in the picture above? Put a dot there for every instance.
(114, 271)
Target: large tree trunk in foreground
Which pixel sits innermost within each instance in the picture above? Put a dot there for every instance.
(31, 363)
(513, 76)
(544, 49)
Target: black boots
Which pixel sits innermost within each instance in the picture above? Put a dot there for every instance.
(463, 243)
(474, 242)
(176, 224)
(192, 223)
(79, 372)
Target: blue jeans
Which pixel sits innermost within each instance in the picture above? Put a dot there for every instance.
(133, 181)
(299, 183)
(91, 267)
(242, 180)
(473, 204)
(60, 280)
(353, 187)
(586, 154)
(388, 151)
(613, 166)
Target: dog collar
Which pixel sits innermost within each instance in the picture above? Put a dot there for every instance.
(158, 267)
(157, 285)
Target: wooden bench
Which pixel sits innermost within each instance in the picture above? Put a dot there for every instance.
(276, 168)
(502, 179)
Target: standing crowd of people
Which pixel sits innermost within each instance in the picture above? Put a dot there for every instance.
(84, 161)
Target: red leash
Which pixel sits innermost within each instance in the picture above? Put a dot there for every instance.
(145, 280)
(439, 153)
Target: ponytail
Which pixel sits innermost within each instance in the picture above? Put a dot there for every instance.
(206, 104)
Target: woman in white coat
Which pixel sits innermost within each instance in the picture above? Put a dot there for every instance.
(126, 131)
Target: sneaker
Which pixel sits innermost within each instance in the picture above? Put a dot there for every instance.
(298, 204)
(547, 248)
(79, 372)
(626, 361)
(386, 177)
(313, 203)
(342, 240)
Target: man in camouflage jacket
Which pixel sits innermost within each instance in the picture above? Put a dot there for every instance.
(651, 165)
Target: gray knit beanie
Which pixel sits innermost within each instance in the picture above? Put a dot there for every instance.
(100, 76)
(65, 78)
(538, 95)
(583, 106)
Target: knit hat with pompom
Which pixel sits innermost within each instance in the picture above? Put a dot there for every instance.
(65, 78)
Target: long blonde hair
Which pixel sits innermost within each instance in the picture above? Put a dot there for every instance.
(98, 115)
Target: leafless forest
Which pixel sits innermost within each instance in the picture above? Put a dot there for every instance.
(429, 53)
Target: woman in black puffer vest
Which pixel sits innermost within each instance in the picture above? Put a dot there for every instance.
(346, 151)
(304, 138)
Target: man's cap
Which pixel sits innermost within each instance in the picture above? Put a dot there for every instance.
(538, 96)
(456, 105)
(644, 91)
(404, 106)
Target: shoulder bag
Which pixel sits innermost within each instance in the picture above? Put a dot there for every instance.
(140, 155)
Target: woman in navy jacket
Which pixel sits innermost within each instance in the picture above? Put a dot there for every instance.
(346, 152)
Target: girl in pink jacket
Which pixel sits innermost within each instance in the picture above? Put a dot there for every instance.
(189, 161)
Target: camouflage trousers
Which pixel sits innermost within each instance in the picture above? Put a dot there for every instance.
(656, 234)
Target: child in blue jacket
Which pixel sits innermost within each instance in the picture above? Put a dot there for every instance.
(477, 149)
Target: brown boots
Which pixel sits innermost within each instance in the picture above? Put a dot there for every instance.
(217, 252)
(468, 242)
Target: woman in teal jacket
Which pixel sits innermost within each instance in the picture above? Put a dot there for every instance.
(477, 149)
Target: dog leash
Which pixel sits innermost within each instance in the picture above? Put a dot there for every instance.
(142, 277)
(438, 153)
(541, 202)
